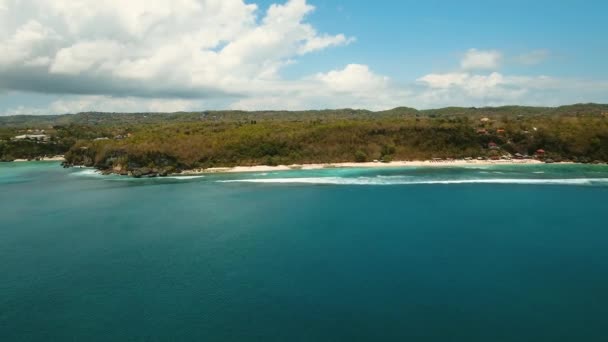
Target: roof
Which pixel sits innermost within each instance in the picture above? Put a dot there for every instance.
(31, 136)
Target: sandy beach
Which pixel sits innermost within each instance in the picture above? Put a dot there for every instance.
(54, 158)
(425, 163)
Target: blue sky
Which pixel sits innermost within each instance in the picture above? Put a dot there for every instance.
(405, 38)
(298, 54)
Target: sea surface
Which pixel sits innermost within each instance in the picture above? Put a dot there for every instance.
(496, 253)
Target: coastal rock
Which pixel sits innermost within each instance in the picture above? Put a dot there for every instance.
(145, 171)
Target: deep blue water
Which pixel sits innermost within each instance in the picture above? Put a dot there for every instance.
(446, 254)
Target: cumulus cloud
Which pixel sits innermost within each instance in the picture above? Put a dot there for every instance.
(76, 104)
(475, 59)
(161, 55)
(354, 86)
(353, 78)
(152, 48)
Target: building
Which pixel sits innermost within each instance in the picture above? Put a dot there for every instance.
(500, 131)
(493, 146)
(484, 120)
(482, 131)
(32, 137)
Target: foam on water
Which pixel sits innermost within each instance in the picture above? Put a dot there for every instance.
(182, 177)
(87, 172)
(409, 181)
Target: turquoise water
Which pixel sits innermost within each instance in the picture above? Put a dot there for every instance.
(496, 253)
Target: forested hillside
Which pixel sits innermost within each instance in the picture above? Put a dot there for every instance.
(177, 141)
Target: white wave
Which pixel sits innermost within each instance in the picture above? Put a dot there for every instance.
(87, 172)
(539, 172)
(182, 177)
(380, 181)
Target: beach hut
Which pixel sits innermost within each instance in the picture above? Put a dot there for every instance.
(540, 152)
(493, 146)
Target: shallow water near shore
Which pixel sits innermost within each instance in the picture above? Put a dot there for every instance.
(492, 253)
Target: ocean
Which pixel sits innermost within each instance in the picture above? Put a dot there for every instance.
(494, 253)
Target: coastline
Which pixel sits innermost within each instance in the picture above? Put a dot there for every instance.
(425, 163)
(54, 158)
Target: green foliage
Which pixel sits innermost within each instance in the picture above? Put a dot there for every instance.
(229, 138)
(360, 156)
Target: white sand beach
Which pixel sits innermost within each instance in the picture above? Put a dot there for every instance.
(425, 163)
(54, 158)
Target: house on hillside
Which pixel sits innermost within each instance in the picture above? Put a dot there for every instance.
(493, 146)
(32, 137)
(500, 131)
(484, 120)
(482, 131)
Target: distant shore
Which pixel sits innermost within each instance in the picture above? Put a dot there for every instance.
(425, 163)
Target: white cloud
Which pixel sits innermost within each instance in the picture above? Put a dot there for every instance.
(161, 55)
(151, 48)
(354, 86)
(76, 104)
(481, 60)
(354, 78)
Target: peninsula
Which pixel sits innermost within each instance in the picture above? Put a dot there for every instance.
(158, 144)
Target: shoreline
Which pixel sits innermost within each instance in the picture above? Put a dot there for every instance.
(54, 158)
(325, 166)
(319, 166)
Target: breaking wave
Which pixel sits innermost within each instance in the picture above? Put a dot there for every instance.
(87, 172)
(409, 181)
(181, 177)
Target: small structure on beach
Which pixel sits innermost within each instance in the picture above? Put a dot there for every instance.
(540, 152)
(493, 146)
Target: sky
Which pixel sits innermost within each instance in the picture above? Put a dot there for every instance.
(69, 56)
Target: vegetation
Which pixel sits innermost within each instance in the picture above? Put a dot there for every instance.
(152, 143)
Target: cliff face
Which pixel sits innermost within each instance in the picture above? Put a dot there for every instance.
(120, 162)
